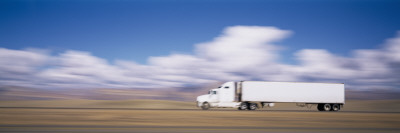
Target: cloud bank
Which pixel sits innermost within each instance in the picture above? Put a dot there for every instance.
(239, 53)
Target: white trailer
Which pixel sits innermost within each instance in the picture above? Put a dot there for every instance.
(250, 95)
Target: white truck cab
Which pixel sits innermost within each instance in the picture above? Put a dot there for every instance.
(223, 96)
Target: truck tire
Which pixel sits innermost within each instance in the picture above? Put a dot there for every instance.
(327, 107)
(320, 107)
(205, 106)
(253, 106)
(335, 107)
(243, 106)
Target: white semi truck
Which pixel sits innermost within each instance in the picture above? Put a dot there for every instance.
(250, 95)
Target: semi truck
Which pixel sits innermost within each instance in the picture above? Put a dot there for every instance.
(251, 95)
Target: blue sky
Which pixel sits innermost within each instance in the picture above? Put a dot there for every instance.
(177, 43)
(134, 30)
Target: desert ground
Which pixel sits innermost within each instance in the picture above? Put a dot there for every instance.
(178, 116)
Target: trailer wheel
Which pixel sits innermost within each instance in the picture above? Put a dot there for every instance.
(243, 106)
(253, 106)
(327, 107)
(320, 107)
(205, 106)
(335, 107)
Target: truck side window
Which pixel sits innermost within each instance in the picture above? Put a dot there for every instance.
(226, 87)
(214, 92)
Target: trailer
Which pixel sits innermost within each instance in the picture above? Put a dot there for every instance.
(251, 95)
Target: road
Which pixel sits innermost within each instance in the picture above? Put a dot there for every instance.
(47, 119)
(269, 110)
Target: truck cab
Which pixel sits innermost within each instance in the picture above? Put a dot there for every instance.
(223, 96)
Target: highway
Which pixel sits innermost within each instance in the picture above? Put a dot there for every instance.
(263, 110)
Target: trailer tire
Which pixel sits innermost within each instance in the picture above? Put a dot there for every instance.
(335, 107)
(327, 107)
(320, 107)
(243, 106)
(205, 106)
(253, 106)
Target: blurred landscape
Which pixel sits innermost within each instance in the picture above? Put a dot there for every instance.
(173, 110)
(139, 65)
(383, 101)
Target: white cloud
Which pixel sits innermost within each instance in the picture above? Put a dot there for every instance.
(239, 53)
(16, 65)
(242, 47)
(366, 69)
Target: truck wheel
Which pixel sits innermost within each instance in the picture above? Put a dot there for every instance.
(327, 107)
(243, 106)
(205, 106)
(253, 106)
(320, 107)
(335, 107)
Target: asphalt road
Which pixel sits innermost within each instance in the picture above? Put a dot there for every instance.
(269, 110)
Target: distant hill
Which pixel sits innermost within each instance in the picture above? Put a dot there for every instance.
(23, 93)
(372, 95)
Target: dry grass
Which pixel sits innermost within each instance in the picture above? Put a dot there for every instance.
(197, 118)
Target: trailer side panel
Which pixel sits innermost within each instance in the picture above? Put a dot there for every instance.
(292, 92)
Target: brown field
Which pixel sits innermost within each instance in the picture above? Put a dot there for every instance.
(175, 116)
